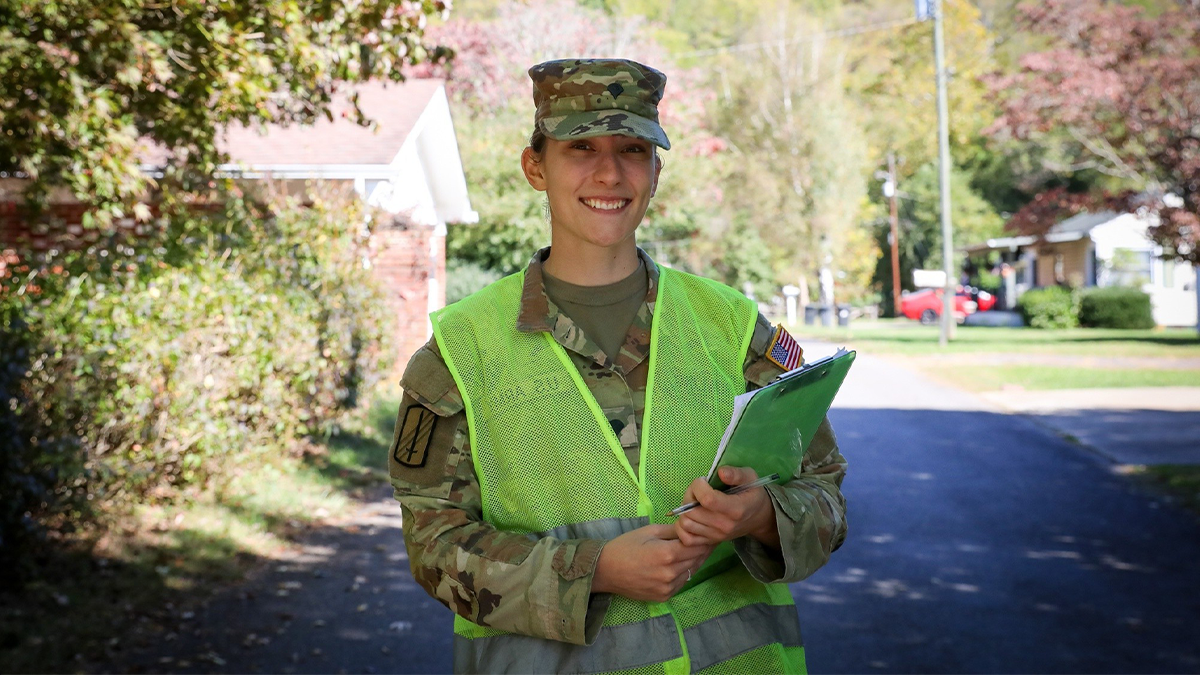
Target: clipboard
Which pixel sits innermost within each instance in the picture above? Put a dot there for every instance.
(771, 427)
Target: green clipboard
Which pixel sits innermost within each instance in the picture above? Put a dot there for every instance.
(771, 427)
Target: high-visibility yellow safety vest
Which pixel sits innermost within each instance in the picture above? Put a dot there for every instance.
(549, 464)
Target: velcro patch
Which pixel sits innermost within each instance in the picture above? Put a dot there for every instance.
(411, 447)
(784, 352)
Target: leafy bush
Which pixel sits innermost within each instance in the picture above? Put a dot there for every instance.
(138, 366)
(1116, 308)
(464, 277)
(1049, 307)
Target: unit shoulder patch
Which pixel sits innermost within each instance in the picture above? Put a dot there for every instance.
(783, 351)
(411, 445)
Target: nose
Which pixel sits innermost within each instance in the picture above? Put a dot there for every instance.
(608, 168)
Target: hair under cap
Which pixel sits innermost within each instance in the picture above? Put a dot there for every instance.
(583, 98)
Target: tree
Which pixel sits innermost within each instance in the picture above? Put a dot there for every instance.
(491, 95)
(1121, 84)
(799, 147)
(920, 234)
(89, 85)
(892, 77)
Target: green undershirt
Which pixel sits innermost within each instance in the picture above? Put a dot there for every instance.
(603, 313)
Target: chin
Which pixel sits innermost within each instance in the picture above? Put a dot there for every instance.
(613, 240)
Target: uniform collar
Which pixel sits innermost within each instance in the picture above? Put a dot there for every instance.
(539, 314)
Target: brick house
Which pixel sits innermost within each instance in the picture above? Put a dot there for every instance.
(407, 164)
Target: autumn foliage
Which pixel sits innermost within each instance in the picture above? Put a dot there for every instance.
(1120, 87)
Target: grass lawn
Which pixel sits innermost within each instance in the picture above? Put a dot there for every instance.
(891, 336)
(991, 378)
(1179, 480)
(982, 358)
(136, 576)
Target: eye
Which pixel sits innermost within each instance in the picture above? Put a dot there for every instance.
(581, 145)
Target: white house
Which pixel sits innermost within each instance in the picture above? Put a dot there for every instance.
(1101, 249)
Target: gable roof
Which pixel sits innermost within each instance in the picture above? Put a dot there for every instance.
(1080, 224)
(395, 107)
(1074, 228)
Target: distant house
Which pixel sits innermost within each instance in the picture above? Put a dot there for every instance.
(407, 164)
(1099, 249)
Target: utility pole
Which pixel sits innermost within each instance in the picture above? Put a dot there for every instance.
(939, 51)
(890, 189)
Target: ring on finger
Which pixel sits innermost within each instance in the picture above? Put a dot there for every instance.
(689, 574)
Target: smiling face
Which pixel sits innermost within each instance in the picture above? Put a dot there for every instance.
(598, 188)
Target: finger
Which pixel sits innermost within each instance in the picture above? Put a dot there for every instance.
(737, 475)
(709, 532)
(702, 518)
(689, 495)
(694, 535)
(706, 495)
(686, 538)
(722, 514)
(681, 553)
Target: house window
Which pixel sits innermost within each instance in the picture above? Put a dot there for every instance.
(1130, 267)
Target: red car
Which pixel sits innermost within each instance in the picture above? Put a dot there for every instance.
(926, 305)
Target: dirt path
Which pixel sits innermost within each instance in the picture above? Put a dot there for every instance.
(344, 602)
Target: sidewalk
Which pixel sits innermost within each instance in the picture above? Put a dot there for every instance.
(1135, 425)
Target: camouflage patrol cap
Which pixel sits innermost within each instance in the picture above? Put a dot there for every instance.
(583, 98)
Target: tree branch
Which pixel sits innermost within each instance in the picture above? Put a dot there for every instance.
(1106, 151)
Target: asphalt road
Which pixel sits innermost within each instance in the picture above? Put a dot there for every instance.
(983, 543)
(980, 542)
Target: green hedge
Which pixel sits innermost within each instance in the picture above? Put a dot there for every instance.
(1116, 307)
(464, 277)
(1049, 307)
(137, 367)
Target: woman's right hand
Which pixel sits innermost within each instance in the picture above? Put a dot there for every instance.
(648, 564)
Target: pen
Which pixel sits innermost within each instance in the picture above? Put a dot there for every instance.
(737, 489)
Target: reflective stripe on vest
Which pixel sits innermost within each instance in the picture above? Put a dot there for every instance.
(634, 645)
(753, 626)
(549, 464)
(631, 645)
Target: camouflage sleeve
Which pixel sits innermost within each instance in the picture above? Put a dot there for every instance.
(810, 510)
(503, 580)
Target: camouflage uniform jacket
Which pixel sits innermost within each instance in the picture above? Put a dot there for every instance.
(542, 587)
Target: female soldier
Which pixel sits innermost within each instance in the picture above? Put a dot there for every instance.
(559, 413)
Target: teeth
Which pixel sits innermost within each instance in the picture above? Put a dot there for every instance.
(605, 205)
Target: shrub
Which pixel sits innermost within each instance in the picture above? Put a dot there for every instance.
(464, 277)
(136, 367)
(1049, 307)
(1116, 307)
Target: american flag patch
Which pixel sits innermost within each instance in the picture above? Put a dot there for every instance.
(784, 352)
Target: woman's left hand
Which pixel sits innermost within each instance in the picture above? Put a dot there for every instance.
(721, 517)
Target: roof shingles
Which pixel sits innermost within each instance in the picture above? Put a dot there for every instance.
(395, 107)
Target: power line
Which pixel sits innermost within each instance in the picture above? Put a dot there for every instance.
(841, 32)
